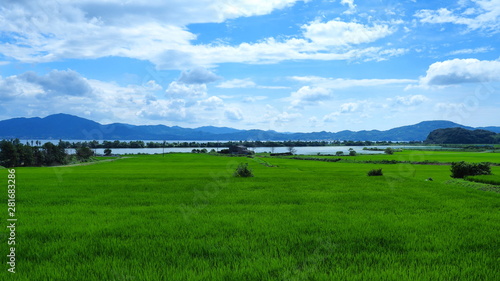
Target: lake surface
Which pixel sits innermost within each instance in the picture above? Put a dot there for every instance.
(306, 150)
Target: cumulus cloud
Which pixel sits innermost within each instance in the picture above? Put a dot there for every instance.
(309, 96)
(233, 114)
(283, 118)
(411, 100)
(29, 94)
(459, 71)
(331, 117)
(337, 33)
(12, 87)
(59, 82)
(152, 85)
(192, 91)
(211, 103)
(349, 107)
(198, 75)
(166, 110)
(29, 85)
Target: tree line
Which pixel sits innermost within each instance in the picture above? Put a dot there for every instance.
(13, 153)
(151, 144)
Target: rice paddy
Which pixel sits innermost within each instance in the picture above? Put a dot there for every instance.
(185, 217)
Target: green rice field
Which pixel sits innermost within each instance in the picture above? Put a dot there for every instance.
(186, 217)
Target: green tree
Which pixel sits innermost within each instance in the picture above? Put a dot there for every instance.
(53, 154)
(389, 151)
(84, 153)
(8, 154)
(25, 153)
(37, 157)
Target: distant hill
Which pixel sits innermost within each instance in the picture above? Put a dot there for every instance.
(69, 127)
(462, 136)
(491, 129)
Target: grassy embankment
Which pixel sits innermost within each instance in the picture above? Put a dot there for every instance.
(184, 217)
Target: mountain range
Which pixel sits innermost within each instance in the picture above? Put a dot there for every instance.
(69, 127)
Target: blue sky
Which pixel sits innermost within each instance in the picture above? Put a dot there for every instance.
(284, 65)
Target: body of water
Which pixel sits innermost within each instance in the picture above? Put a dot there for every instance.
(306, 150)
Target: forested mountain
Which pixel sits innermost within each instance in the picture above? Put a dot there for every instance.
(462, 136)
(69, 127)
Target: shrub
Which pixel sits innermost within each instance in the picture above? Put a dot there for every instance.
(243, 171)
(463, 169)
(389, 151)
(375, 172)
(339, 153)
(107, 152)
(352, 153)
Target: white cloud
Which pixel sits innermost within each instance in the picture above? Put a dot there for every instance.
(13, 87)
(237, 83)
(339, 83)
(411, 100)
(59, 83)
(52, 30)
(458, 71)
(313, 121)
(156, 31)
(350, 3)
(309, 96)
(246, 83)
(484, 16)
(286, 117)
(349, 107)
(254, 99)
(447, 107)
(233, 114)
(191, 91)
(331, 117)
(152, 85)
(471, 51)
(211, 103)
(338, 33)
(198, 75)
(30, 94)
(165, 110)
